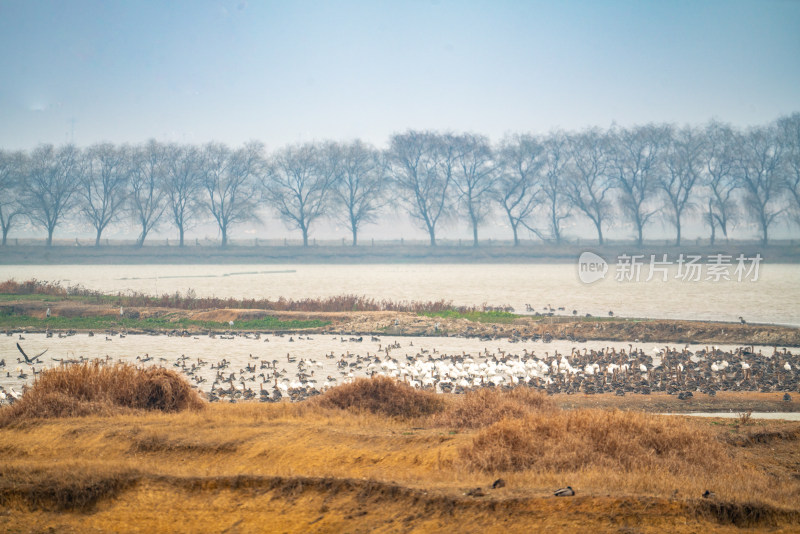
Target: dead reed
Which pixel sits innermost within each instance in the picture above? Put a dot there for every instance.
(568, 441)
(96, 388)
(486, 406)
(381, 395)
(188, 301)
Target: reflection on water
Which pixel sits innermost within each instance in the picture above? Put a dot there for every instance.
(773, 298)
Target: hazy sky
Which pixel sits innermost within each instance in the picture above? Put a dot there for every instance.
(283, 72)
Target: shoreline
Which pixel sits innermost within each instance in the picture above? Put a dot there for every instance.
(27, 315)
(489, 253)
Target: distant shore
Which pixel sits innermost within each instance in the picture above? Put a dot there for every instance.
(449, 252)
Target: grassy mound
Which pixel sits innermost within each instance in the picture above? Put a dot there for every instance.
(381, 395)
(98, 389)
(564, 441)
(485, 406)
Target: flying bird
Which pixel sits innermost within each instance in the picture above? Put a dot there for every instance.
(30, 361)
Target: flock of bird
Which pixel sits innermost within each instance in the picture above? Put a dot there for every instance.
(621, 371)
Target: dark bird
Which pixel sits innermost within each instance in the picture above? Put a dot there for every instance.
(709, 494)
(30, 361)
(565, 492)
(499, 483)
(787, 397)
(741, 320)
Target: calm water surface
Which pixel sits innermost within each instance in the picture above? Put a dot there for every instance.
(773, 298)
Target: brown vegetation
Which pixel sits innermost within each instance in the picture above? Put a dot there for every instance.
(485, 406)
(559, 441)
(378, 454)
(94, 388)
(382, 395)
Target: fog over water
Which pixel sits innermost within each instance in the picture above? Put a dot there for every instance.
(773, 298)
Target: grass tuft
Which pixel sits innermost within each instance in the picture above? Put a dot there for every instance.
(486, 406)
(382, 395)
(93, 388)
(569, 441)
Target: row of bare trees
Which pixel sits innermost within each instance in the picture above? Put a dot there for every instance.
(535, 182)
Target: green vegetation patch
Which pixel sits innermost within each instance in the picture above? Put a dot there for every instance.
(151, 323)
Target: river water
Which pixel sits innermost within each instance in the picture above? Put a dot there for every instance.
(773, 298)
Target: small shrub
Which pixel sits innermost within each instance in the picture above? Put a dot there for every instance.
(382, 395)
(94, 388)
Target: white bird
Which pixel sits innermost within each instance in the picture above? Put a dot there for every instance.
(787, 367)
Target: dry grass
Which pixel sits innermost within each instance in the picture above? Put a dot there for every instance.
(94, 388)
(188, 301)
(355, 460)
(300, 467)
(382, 395)
(69, 486)
(485, 406)
(568, 441)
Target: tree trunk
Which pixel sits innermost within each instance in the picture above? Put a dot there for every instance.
(224, 230)
(639, 240)
(432, 233)
(355, 235)
(5, 234)
(474, 233)
(180, 232)
(50, 236)
(516, 237)
(305, 236)
(97, 238)
(712, 223)
(599, 225)
(678, 231)
(764, 229)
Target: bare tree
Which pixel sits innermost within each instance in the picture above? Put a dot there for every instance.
(422, 171)
(12, 182)
(789, 128)
(556, 158)
(759, 154)
(360, 179)
(520, 159)
(182, 185)
(146, 172)
(721, 180)
(229, 181)
(103, 185)
(634, 159)
(298, 182)
(683, 163)
(53, 178)
(474, 177)
(588, 184)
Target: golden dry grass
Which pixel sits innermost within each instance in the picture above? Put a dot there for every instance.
(298, 467)
(96, 388)
(566, 441)
(485, 406)
(382, 395)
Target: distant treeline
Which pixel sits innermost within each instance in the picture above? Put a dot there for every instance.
(535, 182)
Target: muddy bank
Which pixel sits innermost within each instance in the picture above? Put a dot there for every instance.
(406, 323)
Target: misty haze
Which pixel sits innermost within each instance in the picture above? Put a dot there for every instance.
(401, 266)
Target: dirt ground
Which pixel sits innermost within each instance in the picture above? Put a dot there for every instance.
(404, 323)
